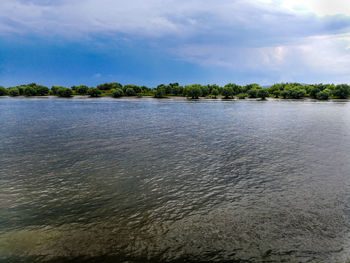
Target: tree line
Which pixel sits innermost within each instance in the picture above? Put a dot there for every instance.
(194, 91)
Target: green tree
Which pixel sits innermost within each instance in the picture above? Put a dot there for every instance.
(117, 93)
(276, 89)
(64, 92)
(54, 89)
(81, 90)
(284, 94)
(193, 91)
(130, 92)
(227, 92)
(248, 87)
(297, 93)
(205, 91)
(145, 89)
(13, 92)
(253, 93)
(160, 92)
(242, 96)
(341, 91)
(3, 91)
(29, 91)
(323, 95)
(136, 89)
(235, 88)
(313, 91)
(213, 86)
(41, 90)
(215, 93)
(263, 94)
(94, 92)
(110, 86)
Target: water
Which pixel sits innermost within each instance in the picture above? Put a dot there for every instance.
(105, 180)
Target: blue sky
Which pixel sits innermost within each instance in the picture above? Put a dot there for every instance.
(69, 42)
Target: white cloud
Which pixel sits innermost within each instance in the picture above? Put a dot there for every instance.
(286, 37)
(155, 18)
(319, 7)
(320, 57)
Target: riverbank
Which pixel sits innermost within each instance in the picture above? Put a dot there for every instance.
(178, 98)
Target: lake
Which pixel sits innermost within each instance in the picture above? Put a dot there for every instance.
(147, 180)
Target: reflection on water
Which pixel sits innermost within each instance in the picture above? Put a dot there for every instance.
(104, 180)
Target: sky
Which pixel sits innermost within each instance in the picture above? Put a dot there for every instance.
(149, 42)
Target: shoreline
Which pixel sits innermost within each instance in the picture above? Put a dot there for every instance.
(177, 98)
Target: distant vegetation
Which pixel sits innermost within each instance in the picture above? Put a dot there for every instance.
(194, 91)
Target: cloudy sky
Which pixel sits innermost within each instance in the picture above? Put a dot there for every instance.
(68, 42)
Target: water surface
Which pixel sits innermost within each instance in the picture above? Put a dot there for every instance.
(106, 180)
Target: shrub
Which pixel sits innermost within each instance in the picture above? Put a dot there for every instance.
(262, 93)
(117, 93)
(297, 93)
(341, 91)
(160, 92)
(205, 91)
(193, 91)
(236, 88)
(130, 92)
(29, 91)
(64, 92)
(215, 92)
(135, 88)
(41, 90)
(250, 86)
(54, 89)
(13, 92)
(94, 92)
(227, 92)
(313, 92)
(81, 90)
(3, 91)
(242, 96)
(284, 93)
(110, 86)
(323, 95)
(253, 93)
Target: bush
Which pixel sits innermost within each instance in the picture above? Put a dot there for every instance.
(250, 87)
(313, 92)
(94, 92)
(242, 96)
(205, 91)
(130, 92)
(276, 89)
(64, 92)
(341, 91)
(193, 91)
(284, 93)
(117, 93)
(54, 89)
(297, 93)
(236, 88)
(13, 92)
(227, 92)
(3, 91)
(323, 95)
(41, 90)
(160, 92)
(215, 92)
(262, 93)
(29, 91)
(135, 88)
(253, 93)
(81, 90)
(110, 86)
